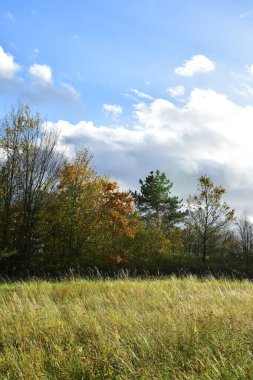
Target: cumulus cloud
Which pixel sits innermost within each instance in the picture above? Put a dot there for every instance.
(8, 67)
(42, 74)
(197, 64)
(210, 134)
(176, 91)
(112, 109)
(39, 87)
(43, 89)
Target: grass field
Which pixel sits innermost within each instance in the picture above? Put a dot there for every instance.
(127, 329)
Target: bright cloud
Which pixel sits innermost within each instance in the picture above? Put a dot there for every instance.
(197, 64)
(44, 90)
(41, 74)
(113, 109)
(8, 68)
(176, 92)
(210, 134)
(40, 88)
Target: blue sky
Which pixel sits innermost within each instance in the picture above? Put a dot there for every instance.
(105, 48)
(108, 74)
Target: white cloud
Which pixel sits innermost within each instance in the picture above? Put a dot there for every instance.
(114, 109)
(41, 74)
(197, 64)
(8, 68)
(142, 94)
(44, 89)
(210, 134)
(40, 88)
(176, 91)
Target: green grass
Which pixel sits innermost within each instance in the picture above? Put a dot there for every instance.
(127, 329)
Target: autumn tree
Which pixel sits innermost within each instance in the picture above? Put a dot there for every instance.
(117, 221)
(90, 217)
(208, 216)
(72, 213)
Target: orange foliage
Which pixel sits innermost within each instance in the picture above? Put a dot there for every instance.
(117, 207)
(94, 210)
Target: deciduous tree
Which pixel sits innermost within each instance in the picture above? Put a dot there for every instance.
(245, 235)
(208, 216)
(28, 171)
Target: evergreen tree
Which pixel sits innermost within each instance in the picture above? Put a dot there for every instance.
(155, 202)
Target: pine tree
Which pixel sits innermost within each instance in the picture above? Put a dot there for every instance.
(155, 202)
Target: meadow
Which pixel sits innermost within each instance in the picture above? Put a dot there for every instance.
(126, 329)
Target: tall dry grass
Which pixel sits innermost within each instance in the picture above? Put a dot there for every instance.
(127, 329)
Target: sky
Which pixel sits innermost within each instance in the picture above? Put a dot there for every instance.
(143, 84)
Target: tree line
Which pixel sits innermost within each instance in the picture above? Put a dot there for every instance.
(58, 213)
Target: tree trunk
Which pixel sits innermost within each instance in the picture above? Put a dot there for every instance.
(204, 250)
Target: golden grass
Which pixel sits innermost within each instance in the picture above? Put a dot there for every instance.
(127, 329)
